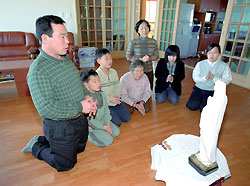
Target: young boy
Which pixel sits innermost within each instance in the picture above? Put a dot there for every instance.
(111, 87)
(101, 129)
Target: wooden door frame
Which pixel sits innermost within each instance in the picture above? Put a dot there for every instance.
(115, 54)
(237, 78)
(158, 24)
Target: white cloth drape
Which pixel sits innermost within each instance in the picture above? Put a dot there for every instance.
(173, 168)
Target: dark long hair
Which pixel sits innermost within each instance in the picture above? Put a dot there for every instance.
(172, 50)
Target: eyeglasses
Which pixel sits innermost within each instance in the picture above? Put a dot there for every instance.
(212, 52)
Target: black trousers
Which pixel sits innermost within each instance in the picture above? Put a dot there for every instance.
(150, 78)
(198, 99)
(61, 143)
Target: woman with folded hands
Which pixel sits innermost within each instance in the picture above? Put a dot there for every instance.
(135, 89)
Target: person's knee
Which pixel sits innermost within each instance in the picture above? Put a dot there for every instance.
(129, 108)
(160, 99)
(202, 107)
(127, 118)
(174, 101)
(193, 103)
(147, 109)
(108, 140)
(115, 132)
(117, 122)
(65, 168)
(61, 161)
(125, 115)
(131, 111)
(64, 164)
(101, 138)
(192, 107)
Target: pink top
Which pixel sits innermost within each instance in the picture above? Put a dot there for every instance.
(133, 90)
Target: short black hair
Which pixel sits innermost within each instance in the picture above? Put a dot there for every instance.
(139, 23)
(101, 52)
(213, 45)
(43, 25)
(85, 75)
(172, 50)
(136, 64)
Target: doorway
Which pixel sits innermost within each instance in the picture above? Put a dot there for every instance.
(148, 12)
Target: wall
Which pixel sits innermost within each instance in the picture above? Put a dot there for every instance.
(20, 15)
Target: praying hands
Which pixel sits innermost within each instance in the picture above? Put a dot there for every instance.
(89, 106)
(209, 76)
(170, 78)
(140, 108)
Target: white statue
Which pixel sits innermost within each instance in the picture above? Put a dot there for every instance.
(210, 124)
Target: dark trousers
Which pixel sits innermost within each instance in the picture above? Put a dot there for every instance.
(61, 143)
(198, 99)
(119, 114)
(150, 76)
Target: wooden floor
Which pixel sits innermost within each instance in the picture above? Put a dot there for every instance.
(127, 161)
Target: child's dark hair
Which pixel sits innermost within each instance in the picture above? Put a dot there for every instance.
(100, 52)
(172, 50)
(139, 23)
(85, 75)
(213, 45)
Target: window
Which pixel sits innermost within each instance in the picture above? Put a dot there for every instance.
(103, 23)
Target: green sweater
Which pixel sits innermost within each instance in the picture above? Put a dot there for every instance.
(102, 113)
(55, 87)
